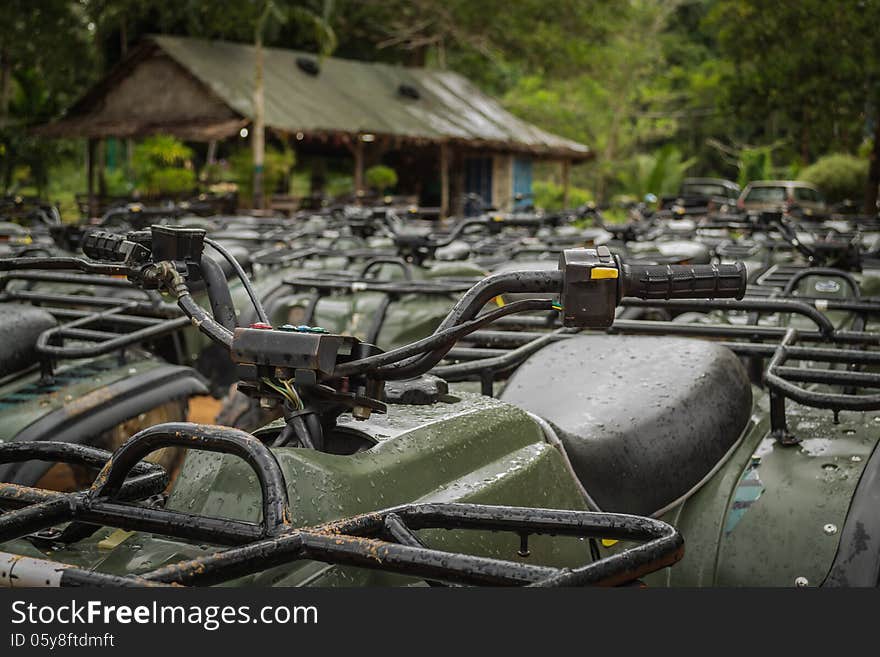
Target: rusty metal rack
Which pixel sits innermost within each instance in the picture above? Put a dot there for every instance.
(114, 316)
(782, 279)
(286, 256)
(124, 492)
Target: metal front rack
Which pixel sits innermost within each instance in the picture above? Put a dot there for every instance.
(90, 325)
(124, 492)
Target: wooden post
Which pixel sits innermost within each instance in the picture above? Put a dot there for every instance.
(258, 138)
(102, 169)
(358, 151)
(317, 176)
(444, 180)
(458, 182)
(566, 181)
(91, 157)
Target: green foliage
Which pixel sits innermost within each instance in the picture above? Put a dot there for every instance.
(171, 181)
(802, 71)
(118, 183)
(658, 173)
(65, 179)
(277, 165)
(381, 178)
(339, 185)
(755, 164)
(840, 176)
(548, 195)
(160, 151)
(163, 165)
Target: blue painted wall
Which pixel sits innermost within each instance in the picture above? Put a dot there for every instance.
(522, 181)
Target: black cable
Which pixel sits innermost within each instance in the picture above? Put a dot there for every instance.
(200, 318)
(243, 277)
(432, 348)
(467, 307)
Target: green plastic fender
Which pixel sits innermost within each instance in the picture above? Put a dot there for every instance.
(772, 515)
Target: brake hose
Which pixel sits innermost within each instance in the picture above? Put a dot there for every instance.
(548, 281)
(242, 276)
(200, 318)
(430, 350)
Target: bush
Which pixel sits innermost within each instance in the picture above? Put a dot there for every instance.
(547, 195)
(171, 181)
(660, 172)
(840, 176)
(163, 165)
(277, 165)
(381, 178)
(118, 183)
(755, 164)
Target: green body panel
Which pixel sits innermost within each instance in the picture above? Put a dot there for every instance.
(473, 449)
(79, 386)
(760, 520)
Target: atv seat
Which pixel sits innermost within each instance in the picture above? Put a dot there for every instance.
(20, 327)
(642, 419)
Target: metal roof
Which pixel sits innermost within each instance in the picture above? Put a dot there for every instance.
(352, 97)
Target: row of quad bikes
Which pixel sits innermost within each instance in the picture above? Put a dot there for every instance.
(508, 399)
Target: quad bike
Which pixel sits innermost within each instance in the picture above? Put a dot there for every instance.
(371, 460)
(774, 248)
(392, 298)
(92, 359)
(486, 235)
(83, 368)
(772, 479)
(27, 225)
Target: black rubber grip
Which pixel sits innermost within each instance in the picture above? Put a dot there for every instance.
(104, 246)
(684, 281)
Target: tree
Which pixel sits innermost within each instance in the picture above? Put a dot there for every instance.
(44, 62)
(809, 68)
(269, 10)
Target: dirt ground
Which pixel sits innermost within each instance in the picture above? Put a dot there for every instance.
(203, 410)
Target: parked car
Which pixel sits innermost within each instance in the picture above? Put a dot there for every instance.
(791, 196)
(702, 195)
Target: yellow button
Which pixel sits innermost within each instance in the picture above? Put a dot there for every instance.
(608, 542)
(603, 272)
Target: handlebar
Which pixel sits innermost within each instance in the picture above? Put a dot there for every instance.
(589, 284)
(319, 374)
(594, 281)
